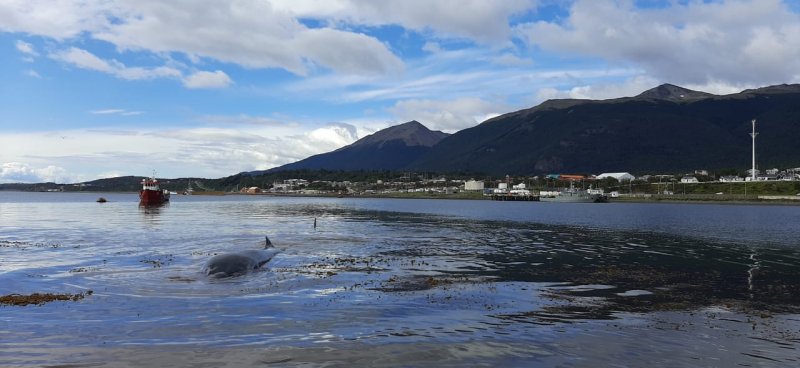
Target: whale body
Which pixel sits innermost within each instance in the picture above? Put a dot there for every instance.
(239, 263)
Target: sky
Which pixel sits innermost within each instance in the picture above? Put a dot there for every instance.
(206, 88)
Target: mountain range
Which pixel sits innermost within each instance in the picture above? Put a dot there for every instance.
(392, 148)
(664, 129)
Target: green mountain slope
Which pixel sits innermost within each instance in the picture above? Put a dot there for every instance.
(667, 128)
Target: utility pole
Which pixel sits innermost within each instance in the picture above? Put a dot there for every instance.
(754, 134)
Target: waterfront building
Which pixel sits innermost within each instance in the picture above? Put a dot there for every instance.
(620, 176)
(473, 185)
(730, 179)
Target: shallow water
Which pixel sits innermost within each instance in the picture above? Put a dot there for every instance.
(399, 282)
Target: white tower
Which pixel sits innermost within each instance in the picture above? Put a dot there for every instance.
(754, 134)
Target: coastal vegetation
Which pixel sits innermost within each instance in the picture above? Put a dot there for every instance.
(395, 184)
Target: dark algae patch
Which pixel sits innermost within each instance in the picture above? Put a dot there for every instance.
(40, 298)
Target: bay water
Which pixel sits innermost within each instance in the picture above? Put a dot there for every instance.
(399, 282)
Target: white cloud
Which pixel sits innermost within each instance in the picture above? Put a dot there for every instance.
(57, 19)
(600, 91)
(448, 116)
(17, 172)
(253, 34)
(106, 111)
(742, 42)
(479, 20)
(334, 135)
(431, 47)
(33, 74)
(122, 112)
(86, 60)
(211, 152)
(248, 33)
(241, 119)
(202, 79)
(508, 59)
(26, 49)
(433, 75)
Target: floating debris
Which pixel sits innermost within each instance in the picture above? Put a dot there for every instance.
(102, 200)
(40, 298)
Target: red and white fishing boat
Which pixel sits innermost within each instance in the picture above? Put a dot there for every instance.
(151, 193)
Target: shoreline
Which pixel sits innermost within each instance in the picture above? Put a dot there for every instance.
(677, 198)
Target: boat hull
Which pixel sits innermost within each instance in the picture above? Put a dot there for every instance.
(153, 197)
(576, 198)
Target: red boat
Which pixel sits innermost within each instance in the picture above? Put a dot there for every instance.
(151, 193)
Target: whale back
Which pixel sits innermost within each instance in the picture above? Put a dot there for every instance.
(237, 264)
(260, 256)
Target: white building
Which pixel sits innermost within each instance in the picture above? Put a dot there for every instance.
(620, 176)
(502, 188)
(689, 179)
(730, 179)
(518, 186)
(280, 187)
(473, 185)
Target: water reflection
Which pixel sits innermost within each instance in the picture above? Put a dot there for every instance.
(151, 212)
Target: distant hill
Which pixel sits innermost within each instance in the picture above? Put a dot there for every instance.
(115, 184)
(389, 149)
(665, 129)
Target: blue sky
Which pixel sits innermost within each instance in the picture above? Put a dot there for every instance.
(210, 88)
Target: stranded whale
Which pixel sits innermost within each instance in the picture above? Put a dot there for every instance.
(240, 263)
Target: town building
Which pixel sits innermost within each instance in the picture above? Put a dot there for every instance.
(473, 185)
(689, 179)
(251, 190)
(620, 176)
(730, 179)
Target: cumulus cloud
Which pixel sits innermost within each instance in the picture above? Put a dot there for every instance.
(18, 172)
(334, 135)
(86, 60)
(744, 42)
(448, 116)
(253, 34)
(202, 79)
(59, 20)
(479, 20)
(27, 50)
(212, 152)
(293, 148)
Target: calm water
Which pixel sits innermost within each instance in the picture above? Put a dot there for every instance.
(385, 282)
